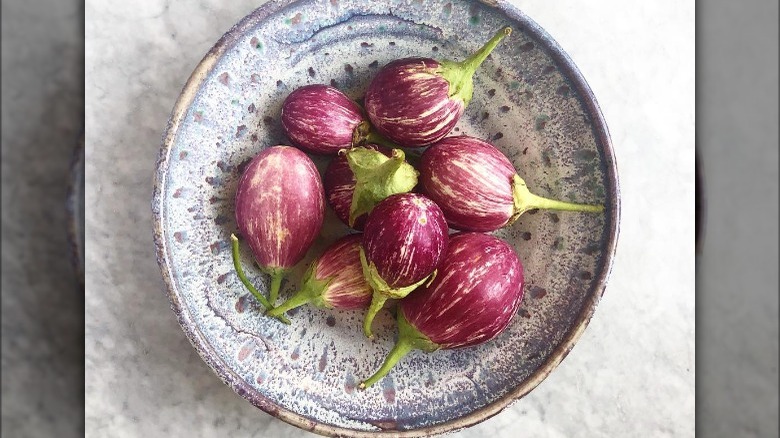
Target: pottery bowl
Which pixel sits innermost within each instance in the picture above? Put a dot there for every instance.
(529, 100)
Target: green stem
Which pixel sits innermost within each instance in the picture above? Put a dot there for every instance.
(377, 302)
(276, 282)
(472, 63)
(240, 271)
(409, 338)
(300, 298)
(524, 201)
(459, 74)
(401, 349)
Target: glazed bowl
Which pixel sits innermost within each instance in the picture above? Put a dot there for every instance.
(529, 100)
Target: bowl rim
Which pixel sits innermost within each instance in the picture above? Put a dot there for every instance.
(612, 208)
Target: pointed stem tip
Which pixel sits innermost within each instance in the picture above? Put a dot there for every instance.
(524, 201)
(472, 63)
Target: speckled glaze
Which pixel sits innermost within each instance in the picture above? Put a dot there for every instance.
(529, 100)
(75, 207)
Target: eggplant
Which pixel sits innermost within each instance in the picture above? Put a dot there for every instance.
(320, 119)
(280, 208)
(415, 102)
(478, 188)
(376, 173)
(334, 280)
(404, 240)
(339, 182)
(476, 293)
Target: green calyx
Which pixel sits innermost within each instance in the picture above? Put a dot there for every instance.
(524, 201)
(377, 177)
(409, 338)
(275, 273)
(382, 291)
(310, 292)
(459, 74)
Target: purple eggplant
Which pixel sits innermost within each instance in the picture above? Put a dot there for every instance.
(477, 290)
(478, 188)
(415, 102)
(339, 182)
(358, 179)
(404, 240)
(320, 119)
(334, 280)
(280, 207)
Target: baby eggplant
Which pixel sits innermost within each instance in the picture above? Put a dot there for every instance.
(478, 188)
(339, 182)
(334, 280)
(320, 119)
(404, 240)
(280, 207)
(477, 290)
(415, 102)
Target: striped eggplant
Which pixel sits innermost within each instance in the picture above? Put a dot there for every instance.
(339, 182)
(415, 102)
(478, 188)
(371, 175)
(334, 280)
(404, 240)
(320, 119)
(280, 207)
(477, 290)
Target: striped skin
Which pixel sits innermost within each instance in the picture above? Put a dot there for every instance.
(409, 103)
(477, 290)
(280, 206)
(405, 237)
(320, 119)
(471, 181)
(339, 182)
(340, 263)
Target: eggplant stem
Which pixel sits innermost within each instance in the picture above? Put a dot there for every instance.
(276, 283)
(401, 349)
(377, 302)
(409, 338)
(300, 298)
(240, 271)
(524, 201)
(472, 63)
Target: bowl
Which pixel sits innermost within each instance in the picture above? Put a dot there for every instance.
(75, 206)
(529, 100)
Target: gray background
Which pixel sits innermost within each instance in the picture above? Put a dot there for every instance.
(158, 386)
(737, 295)
(42, 301)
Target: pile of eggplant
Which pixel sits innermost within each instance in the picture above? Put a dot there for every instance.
(451, 290)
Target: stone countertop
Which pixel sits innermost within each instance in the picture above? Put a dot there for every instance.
(631, 373)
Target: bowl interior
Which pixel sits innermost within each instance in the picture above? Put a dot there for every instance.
(526, 101)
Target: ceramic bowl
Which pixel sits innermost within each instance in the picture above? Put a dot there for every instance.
(75, 205)
(529, 100)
